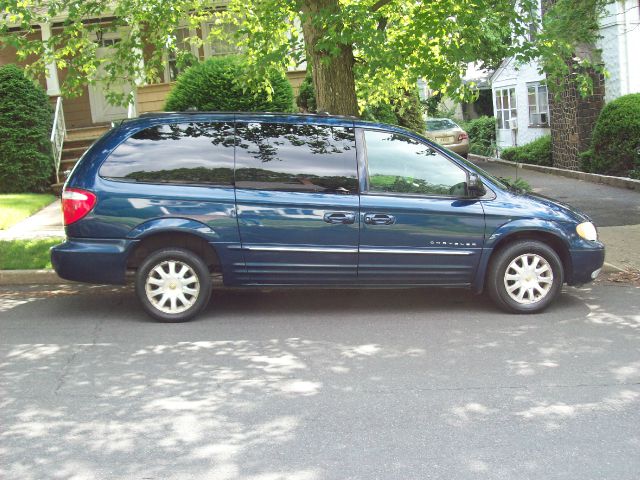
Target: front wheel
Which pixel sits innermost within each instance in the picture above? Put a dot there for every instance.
(173, 285)
(525, 277)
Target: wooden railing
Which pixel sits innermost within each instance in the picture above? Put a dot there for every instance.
(58, 132)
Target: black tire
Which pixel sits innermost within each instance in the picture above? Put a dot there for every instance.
(196, 301)
(496, 281)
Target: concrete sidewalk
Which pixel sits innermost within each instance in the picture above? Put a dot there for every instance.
(45, 223)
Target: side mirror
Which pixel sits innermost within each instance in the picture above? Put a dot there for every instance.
(475, 188)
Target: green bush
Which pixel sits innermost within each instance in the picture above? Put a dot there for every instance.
(615, 144)
(537, 152)
(307, 94)
(404, 110)
(482, 135)
(26, 164)
(212, 85)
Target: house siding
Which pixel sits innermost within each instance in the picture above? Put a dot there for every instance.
(620, 31)
(511, 75)
(8, 55)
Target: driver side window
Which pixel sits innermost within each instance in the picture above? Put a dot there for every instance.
(399, 164)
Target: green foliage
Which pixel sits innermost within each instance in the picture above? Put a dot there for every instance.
(213, 85)
(26, 164)
(482, 135)
(409, 111)
(431, 105)
(404, 110)
(519, 183)
(18, 206)
(537, 152)
(307, 94)
(565, 43)
(396, 42)
(382, 112)
(26, 254)
(615, 143)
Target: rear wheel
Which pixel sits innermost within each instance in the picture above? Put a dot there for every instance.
(525, 277)
(173, 285)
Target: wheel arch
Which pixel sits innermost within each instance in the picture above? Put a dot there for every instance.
(156, 240)
(550, 238)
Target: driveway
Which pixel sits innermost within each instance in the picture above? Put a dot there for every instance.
(319, 385)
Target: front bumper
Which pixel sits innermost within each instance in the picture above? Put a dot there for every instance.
(585, 265)
(102, 261)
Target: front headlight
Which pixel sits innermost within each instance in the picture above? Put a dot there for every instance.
(587, 231)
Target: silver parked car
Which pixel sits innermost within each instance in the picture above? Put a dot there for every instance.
(448, 134)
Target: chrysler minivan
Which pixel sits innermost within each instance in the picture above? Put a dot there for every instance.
(176, 199)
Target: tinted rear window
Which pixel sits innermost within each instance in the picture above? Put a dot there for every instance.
(440, 124)
(299, 158)
(185, 153)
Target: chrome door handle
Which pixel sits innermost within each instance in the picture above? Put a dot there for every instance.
(379, 219)
(340, 217)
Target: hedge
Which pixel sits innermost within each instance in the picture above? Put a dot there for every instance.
(537, 152)
(212, 86)
(482, 135)
(404, 110)
(615, 143)
(26, 164)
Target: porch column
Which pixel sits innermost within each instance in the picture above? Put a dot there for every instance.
(53, 85)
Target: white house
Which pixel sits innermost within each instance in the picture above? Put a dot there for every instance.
(520, 103)
(520, 97)
(620, 45)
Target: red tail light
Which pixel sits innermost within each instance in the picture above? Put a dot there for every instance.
(462, 136)
(76, 203)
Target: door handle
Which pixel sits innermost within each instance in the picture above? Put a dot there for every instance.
(340, 217)
(379, 219)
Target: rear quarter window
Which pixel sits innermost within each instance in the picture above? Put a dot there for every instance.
(180, 153)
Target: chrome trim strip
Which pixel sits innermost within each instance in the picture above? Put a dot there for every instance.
(269, 248)
(415, 251)
(410, 251)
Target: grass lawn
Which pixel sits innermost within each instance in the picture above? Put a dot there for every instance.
(26, 254)
(18, 206)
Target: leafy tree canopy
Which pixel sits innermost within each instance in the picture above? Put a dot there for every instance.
(362, 51)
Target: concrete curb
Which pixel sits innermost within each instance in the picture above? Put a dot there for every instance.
(619, 182)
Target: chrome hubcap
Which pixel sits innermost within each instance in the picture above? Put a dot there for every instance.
(528, 278)
(172, 286)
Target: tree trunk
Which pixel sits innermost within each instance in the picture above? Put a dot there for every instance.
(333, 77)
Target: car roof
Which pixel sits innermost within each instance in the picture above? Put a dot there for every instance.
(155, 118)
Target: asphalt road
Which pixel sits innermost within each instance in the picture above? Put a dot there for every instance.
(607, 206)
(304, 385)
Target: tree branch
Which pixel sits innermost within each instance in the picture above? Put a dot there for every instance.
(379, 4)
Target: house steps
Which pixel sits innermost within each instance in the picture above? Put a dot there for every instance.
(76, 143)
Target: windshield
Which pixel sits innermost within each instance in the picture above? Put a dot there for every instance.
(440, 124)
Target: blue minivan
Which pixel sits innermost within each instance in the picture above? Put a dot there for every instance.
(307, 200)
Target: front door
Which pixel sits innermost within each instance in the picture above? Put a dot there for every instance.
(417, 226)
(101, 109)
(297, 202)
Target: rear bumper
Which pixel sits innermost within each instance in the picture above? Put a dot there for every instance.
(92, 260)
(459, 148)
(586, 265)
